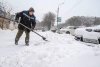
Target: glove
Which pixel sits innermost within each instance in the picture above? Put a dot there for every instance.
(33, 27)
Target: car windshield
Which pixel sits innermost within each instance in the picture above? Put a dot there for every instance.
(71, 27)
(89, 30)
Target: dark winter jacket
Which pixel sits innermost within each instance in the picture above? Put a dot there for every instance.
(26, 19)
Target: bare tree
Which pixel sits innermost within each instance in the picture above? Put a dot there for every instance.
(97, 21)
(82, 21)
(5, 11)
(48, 20)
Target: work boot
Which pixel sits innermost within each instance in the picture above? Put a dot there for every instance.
(27, 43)
(16, 42)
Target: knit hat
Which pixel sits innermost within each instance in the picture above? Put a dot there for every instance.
(31, 9)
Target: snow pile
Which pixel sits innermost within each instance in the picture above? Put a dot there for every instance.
(61, 51)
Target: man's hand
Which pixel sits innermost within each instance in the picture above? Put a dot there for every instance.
(31, 29)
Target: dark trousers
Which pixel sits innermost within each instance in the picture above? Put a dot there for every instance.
(19, 34)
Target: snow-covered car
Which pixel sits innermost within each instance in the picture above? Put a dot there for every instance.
(53, 29)
(69, 30)
(88, 34)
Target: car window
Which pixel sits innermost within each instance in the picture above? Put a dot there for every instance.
(71, 27)
(89, 30)
(97, 30)
(76, 27)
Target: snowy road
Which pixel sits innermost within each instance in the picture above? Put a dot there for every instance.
(61, 51)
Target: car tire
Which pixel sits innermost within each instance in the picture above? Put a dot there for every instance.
(99, 41)
(76, 38)
(81, 39)
(67, 32)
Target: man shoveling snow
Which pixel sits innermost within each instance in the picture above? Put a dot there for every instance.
(27, 18)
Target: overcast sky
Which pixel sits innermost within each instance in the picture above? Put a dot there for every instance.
(68, 9)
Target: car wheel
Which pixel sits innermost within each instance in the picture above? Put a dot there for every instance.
(76, 38)
(81, 39)
(99, 41)
(67, 32)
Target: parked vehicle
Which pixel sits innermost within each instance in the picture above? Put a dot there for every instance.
(54, 29)
(69, 30)
(88, 34)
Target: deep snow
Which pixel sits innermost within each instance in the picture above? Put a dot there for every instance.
(61, 51)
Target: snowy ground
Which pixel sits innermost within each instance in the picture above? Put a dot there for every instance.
(61, 51)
